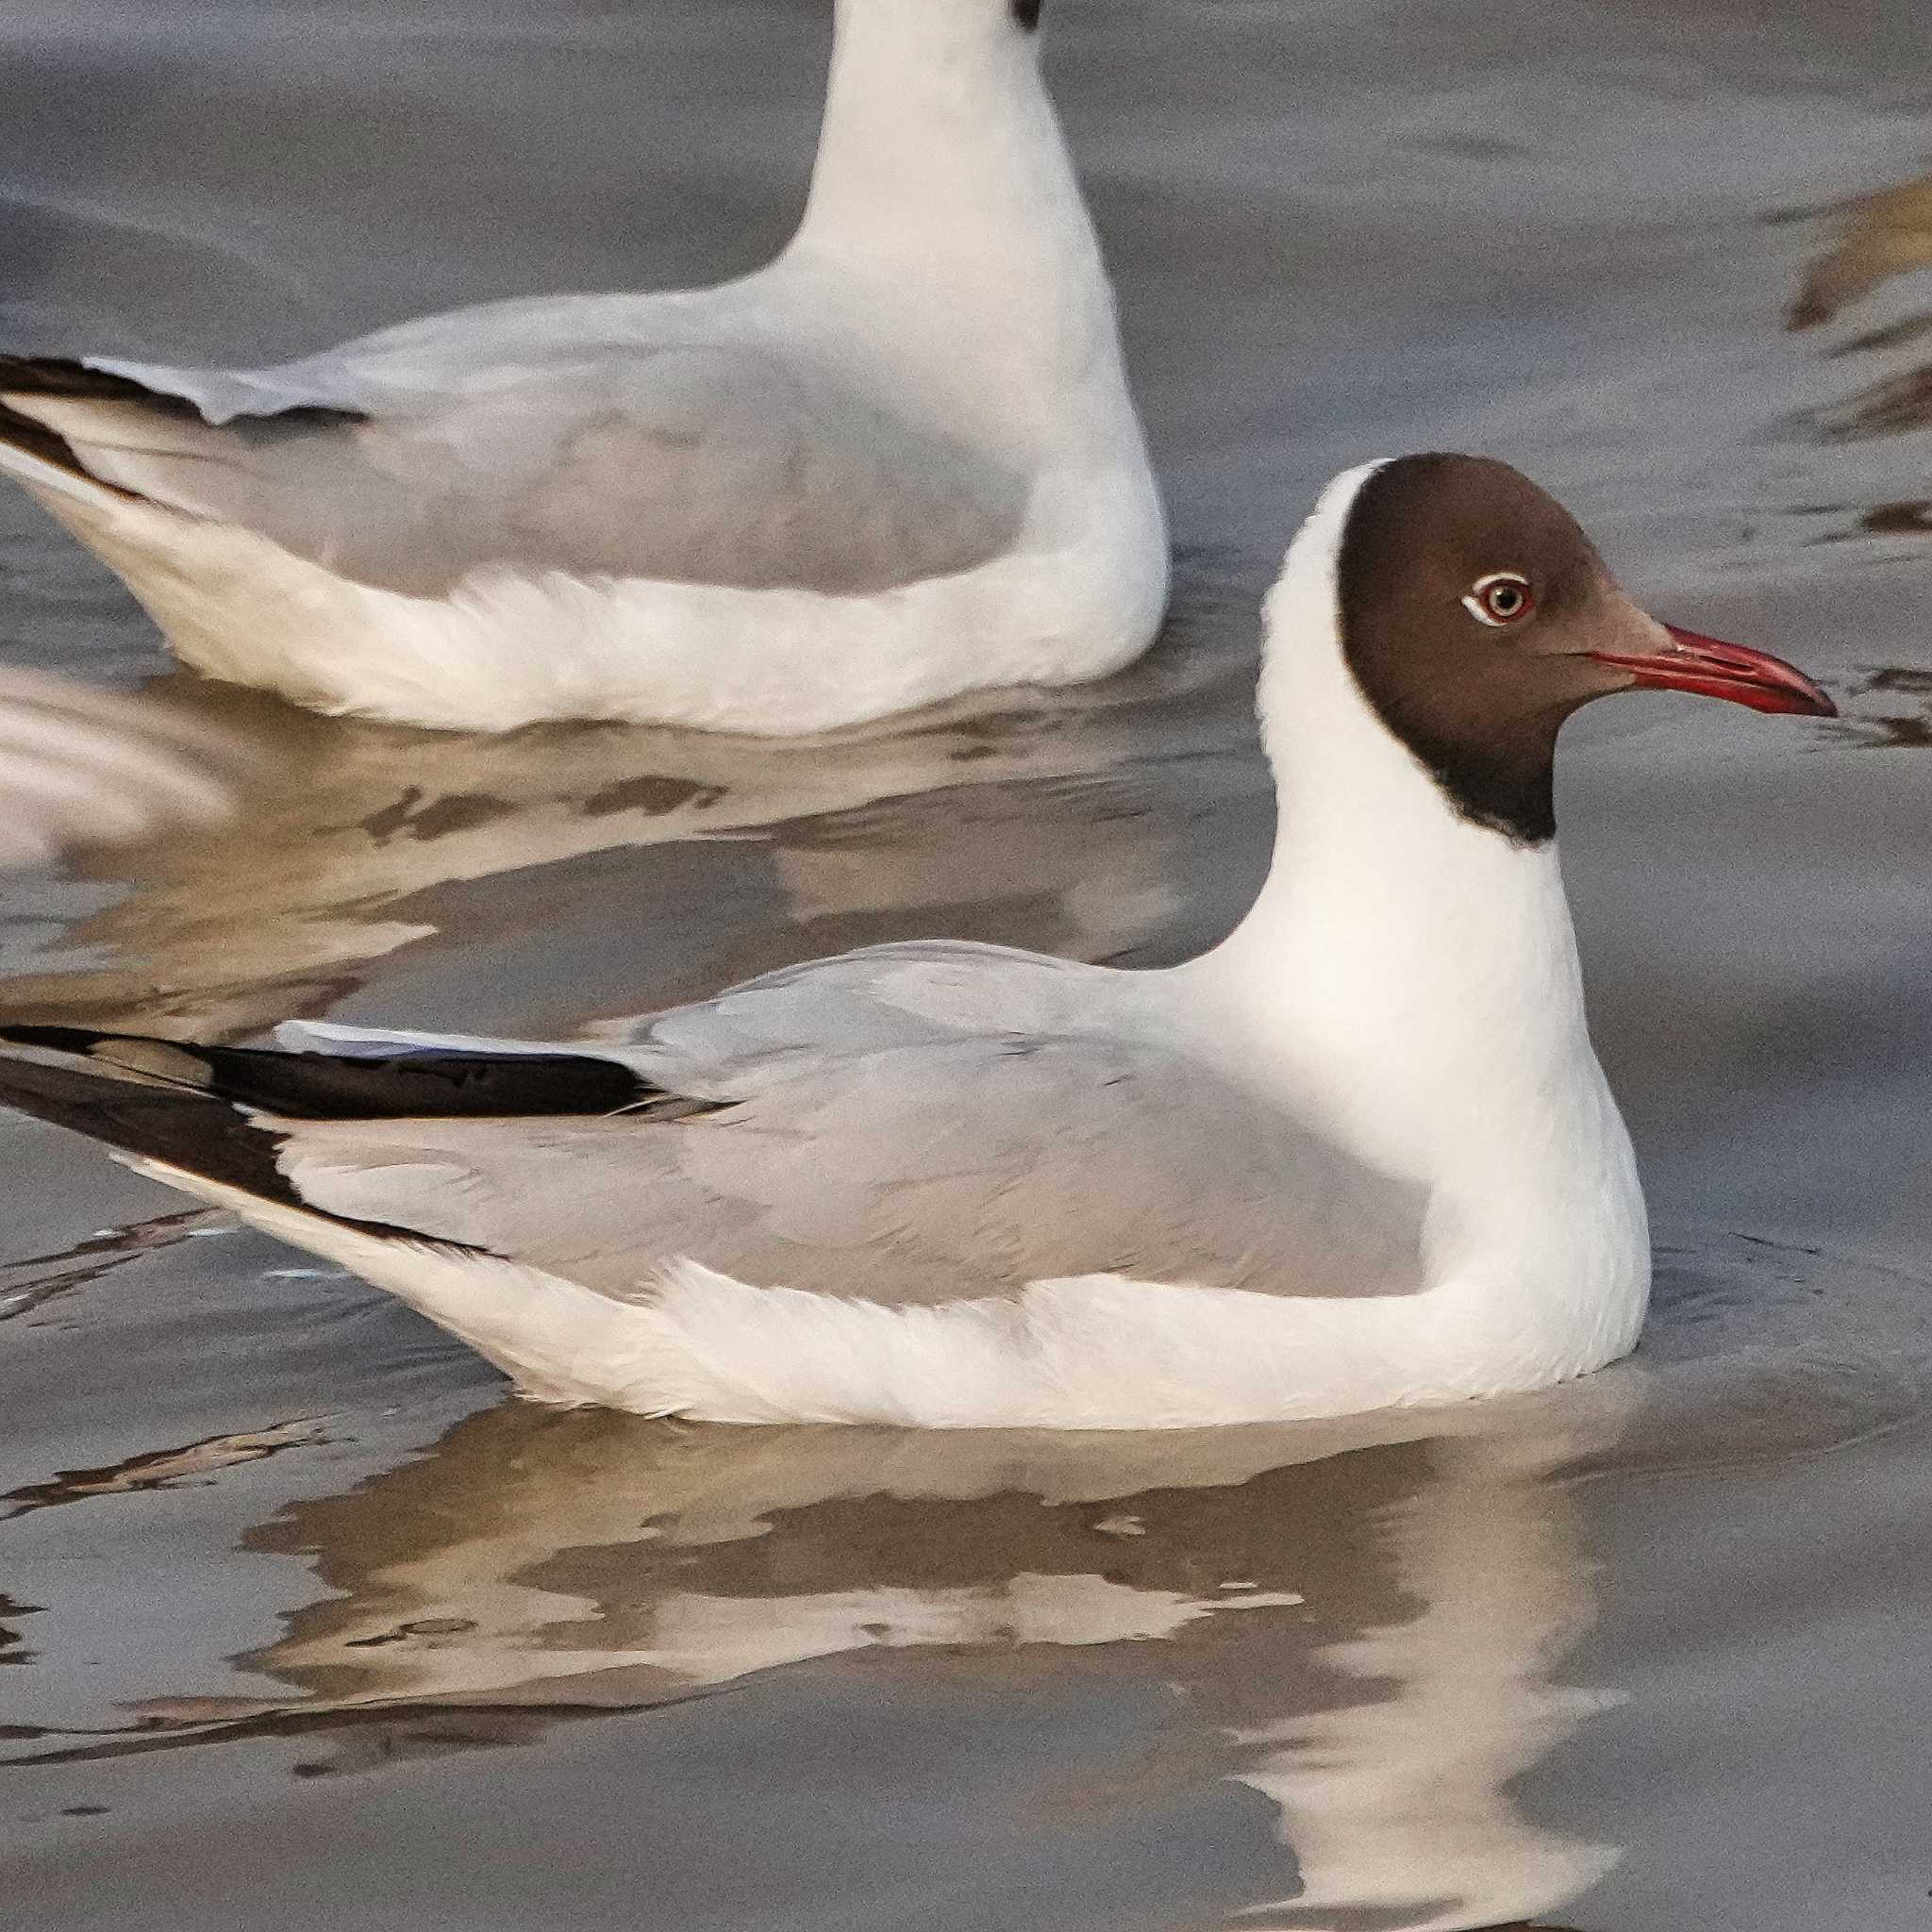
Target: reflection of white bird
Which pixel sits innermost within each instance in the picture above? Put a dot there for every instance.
(81, 767)
(1056, 810)
(1360, 1621)
(898, 464)
(1361, 1154)
(1402, 1801)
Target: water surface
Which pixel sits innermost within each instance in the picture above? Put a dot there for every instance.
(303, 1623)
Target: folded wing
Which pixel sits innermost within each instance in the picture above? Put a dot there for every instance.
(718, 463)
(911, 1123)
(911, 1174)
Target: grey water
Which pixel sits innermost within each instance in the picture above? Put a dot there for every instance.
(305, 1622)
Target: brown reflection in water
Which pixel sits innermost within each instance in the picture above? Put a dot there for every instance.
(1885, 409)
(1884, 235)
(1912, 518)
(1905, 726)
(1363, 1620)
(155, 1469)
(372, 835)
(13, 1646)
(49, 1276)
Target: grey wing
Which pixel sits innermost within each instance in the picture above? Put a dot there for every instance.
(906, 994)
(956, 1168)
(82, 767)
(707, 463)
(762, 1031)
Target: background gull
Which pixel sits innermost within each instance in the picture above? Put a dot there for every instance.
(1361, 1154)
(897, 463)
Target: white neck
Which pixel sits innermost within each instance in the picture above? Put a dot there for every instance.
(943, 190)
(1413, 975)
(939, 143)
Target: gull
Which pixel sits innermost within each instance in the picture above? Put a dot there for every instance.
(898, 464)
(1359, 1155)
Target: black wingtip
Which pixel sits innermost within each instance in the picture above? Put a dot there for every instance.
(56, 376)
(213, 1139)
(61, 375)
(193, 1131)
(200, 1108)
(422, 1084)
(22, 433)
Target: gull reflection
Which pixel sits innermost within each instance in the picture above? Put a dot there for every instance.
(1363, 1621)
(1883, 236)
(1052, 820)
(1396, 1802)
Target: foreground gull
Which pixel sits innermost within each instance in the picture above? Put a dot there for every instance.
(898, 464)
(1359, 1154)
(82, 767)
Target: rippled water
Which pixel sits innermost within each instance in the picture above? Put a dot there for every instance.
(303, 1624)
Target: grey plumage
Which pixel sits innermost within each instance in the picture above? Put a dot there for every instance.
(408, 467)
(911, 1123)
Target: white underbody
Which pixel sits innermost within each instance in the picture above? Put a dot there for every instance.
(1096, 1352)
(1079, 595)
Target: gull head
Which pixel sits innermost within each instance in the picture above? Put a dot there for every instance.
(1473, 615)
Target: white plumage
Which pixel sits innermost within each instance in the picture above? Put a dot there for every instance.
(898, 464)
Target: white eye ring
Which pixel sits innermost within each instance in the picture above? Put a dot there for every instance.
(1480, 601)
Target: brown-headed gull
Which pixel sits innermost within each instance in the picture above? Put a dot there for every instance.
(1361, 1154)
(898, 464)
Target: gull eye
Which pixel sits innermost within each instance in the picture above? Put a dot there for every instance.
(1501, 598)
